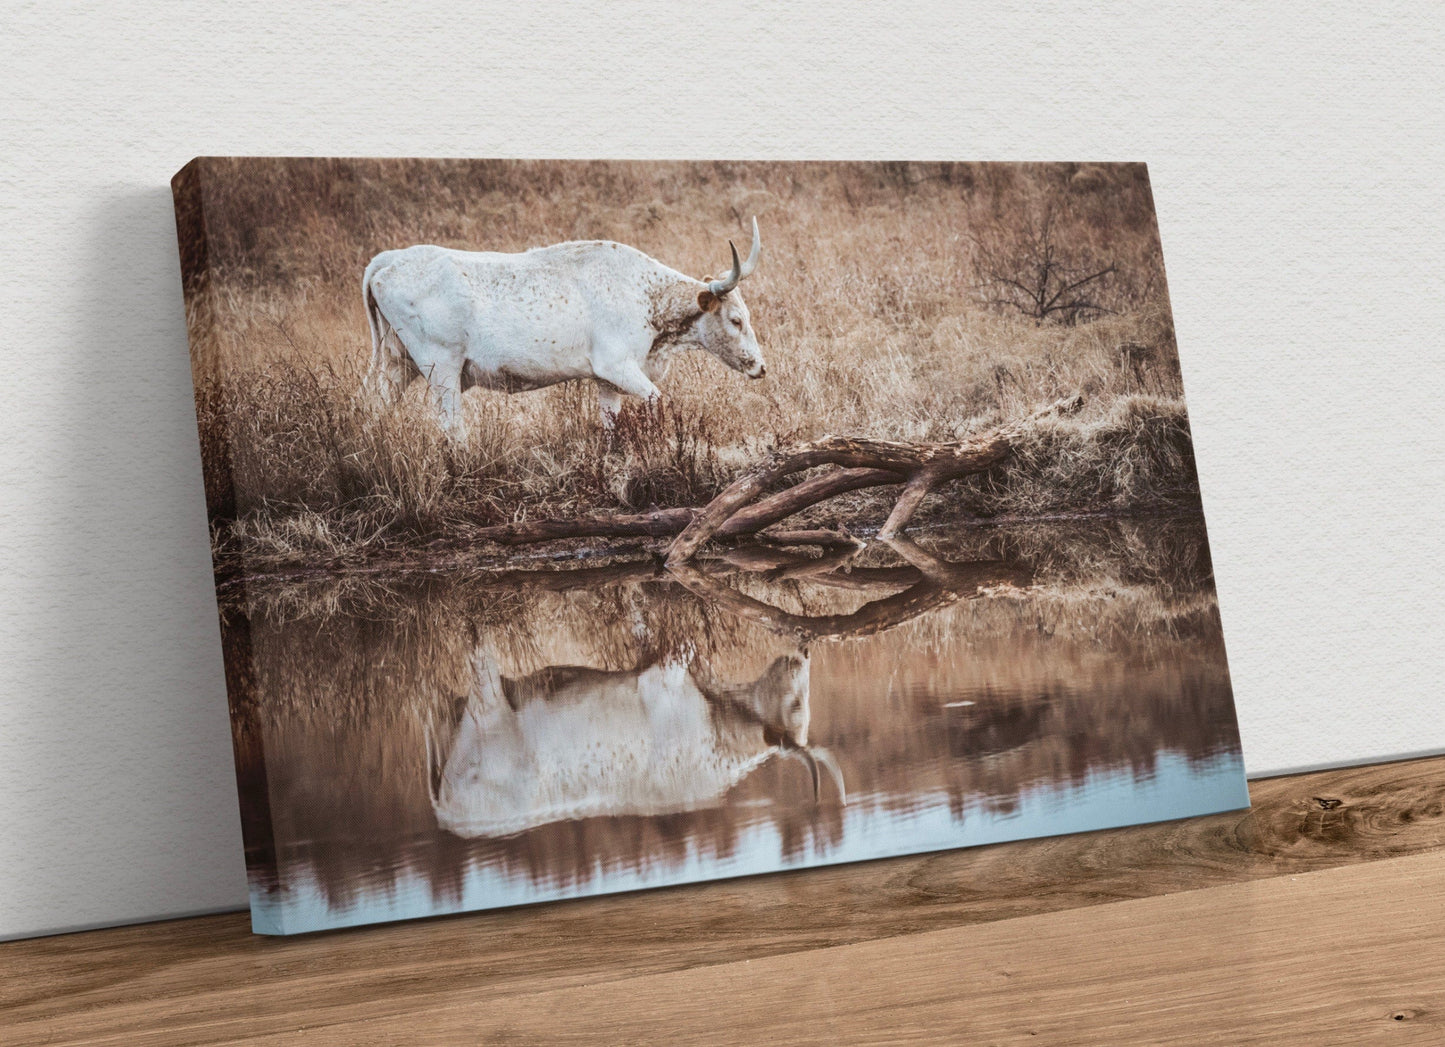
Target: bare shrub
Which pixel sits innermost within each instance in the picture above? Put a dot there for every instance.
(1027, 267)
(664, 456)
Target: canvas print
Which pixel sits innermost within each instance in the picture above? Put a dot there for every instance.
(582, 527)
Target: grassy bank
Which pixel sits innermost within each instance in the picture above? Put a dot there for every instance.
(885, 304)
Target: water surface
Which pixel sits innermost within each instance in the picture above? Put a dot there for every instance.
(433, 743)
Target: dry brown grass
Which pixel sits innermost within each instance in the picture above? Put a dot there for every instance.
(870, 304)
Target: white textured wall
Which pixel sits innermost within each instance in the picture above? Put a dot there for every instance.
(1296, 162)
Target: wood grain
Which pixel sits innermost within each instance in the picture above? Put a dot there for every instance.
(210, 981)
(1348, 956)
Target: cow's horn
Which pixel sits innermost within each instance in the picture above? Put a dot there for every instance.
(823, 756)
(811, 757)
(812, 763)
(752, 262)
(725, 283)
(729, 279)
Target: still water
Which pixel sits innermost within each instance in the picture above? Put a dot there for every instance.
(444, 741)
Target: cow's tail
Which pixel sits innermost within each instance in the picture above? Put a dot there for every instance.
(380, 329)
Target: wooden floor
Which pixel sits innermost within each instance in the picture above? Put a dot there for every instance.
(1318, 918)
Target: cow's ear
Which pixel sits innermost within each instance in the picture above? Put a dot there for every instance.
(707, 301)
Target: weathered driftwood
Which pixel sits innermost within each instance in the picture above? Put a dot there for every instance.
(865, 463)
(746, 508)
(662, 523)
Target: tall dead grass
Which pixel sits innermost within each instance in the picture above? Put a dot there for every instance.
(870, 305)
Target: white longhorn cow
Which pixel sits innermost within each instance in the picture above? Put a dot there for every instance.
(572, 742)
(587, 309)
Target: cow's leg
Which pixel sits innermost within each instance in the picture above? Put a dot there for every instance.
(625, 377)
(609, 405)
(487, 690)
(445, 382)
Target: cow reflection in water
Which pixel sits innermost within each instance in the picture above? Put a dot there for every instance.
(573, 742)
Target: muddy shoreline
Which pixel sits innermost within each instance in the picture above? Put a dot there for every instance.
(450, 554)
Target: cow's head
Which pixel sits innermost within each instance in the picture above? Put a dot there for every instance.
(724, 327)
(781, 695)
(778, 700)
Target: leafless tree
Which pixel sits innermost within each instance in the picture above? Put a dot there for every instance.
(1030, 269)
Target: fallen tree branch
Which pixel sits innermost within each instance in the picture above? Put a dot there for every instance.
(793, 499)
(663, 523)
(920, 467)
(747, 508)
